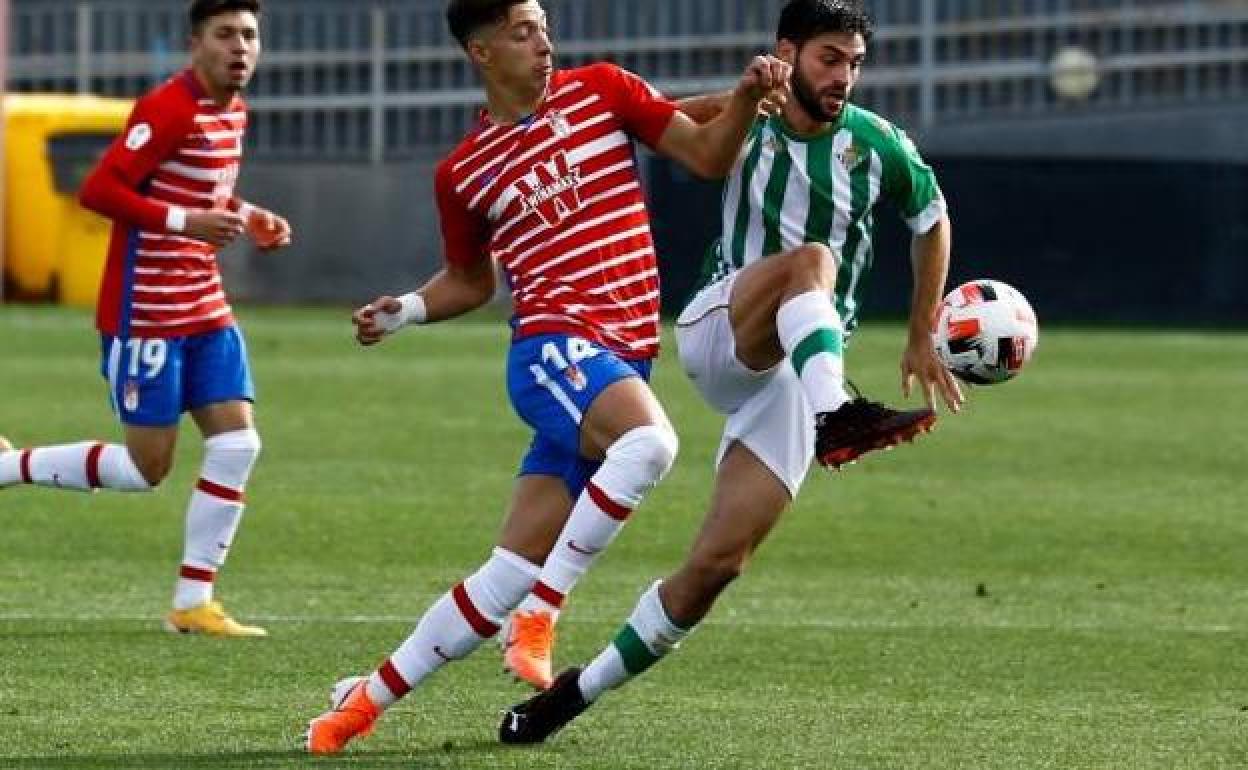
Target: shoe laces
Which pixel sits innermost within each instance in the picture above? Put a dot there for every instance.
(865, 406)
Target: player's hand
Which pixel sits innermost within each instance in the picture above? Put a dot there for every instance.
(268, 230)
(373, 321)
(773, 103)
(216, 226)
(766, 82)
(920, 362)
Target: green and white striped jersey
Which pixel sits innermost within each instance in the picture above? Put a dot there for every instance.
(787, 190)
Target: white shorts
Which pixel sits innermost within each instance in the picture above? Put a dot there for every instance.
(766, 411)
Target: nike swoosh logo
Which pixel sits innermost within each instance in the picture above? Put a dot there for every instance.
(583, 551)
(437, 650)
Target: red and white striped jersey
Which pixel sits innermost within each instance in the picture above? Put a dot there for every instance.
(556, 201)
(179, 149)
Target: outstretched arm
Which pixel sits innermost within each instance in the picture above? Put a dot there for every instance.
(929, 254)
(704, 108)
(710, 149)
(456, 290)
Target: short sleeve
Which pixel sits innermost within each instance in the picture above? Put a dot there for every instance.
(465, 236)
(644, 111)
(152, 135)
(910, 184)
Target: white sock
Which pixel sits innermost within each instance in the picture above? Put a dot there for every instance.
(812, 335)
(83, 466)
(648, 636)
(635, 463)
(455, 625)
(214, 513)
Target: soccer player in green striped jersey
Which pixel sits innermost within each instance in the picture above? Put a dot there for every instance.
(763, 339)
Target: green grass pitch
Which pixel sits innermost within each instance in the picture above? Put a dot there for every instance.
(1057, 578)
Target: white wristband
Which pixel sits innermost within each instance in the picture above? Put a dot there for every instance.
(175, 219)
(411, 311)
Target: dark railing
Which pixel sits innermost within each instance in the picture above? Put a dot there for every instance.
(381, 79)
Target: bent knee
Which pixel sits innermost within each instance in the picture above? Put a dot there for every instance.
(815, 260)
(244, 443)
(636, 462)
(229, 457)
(652, 447)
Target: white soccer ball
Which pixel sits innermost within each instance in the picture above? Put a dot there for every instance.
(985, 332)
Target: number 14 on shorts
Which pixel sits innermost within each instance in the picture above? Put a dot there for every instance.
(566, 362)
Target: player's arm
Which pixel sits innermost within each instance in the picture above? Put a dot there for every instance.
(706, 107)
(112, 189)
(910, 185)
(108, 193)
(457, 289)
(929, 257)
(710, 149)
(466, 282)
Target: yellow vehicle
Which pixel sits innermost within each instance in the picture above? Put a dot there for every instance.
(54, 248)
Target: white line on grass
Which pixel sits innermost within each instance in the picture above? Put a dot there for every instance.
(755, 622)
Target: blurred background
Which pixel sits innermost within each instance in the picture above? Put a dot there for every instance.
(1094, 152)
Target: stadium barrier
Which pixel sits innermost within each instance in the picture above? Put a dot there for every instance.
(381, 80)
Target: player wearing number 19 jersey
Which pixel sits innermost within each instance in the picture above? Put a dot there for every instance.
(169, 340)
(546, 188)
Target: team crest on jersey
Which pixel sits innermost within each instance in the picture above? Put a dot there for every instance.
(576, 378)
(560, 125)
(773, 145)
(850, 157)
(552, 189)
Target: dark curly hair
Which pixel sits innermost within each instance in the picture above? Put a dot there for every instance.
(803, 20)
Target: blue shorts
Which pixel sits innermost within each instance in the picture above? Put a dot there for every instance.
(552, 380)
(153, 381)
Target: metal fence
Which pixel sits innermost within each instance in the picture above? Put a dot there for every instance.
(380, 79)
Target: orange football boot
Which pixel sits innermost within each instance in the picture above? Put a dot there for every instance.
(352, 716)
(526, 654)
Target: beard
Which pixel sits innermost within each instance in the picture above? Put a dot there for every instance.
(811, 102)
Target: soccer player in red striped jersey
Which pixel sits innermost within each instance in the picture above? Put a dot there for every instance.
(170, 344)
(546, 189)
